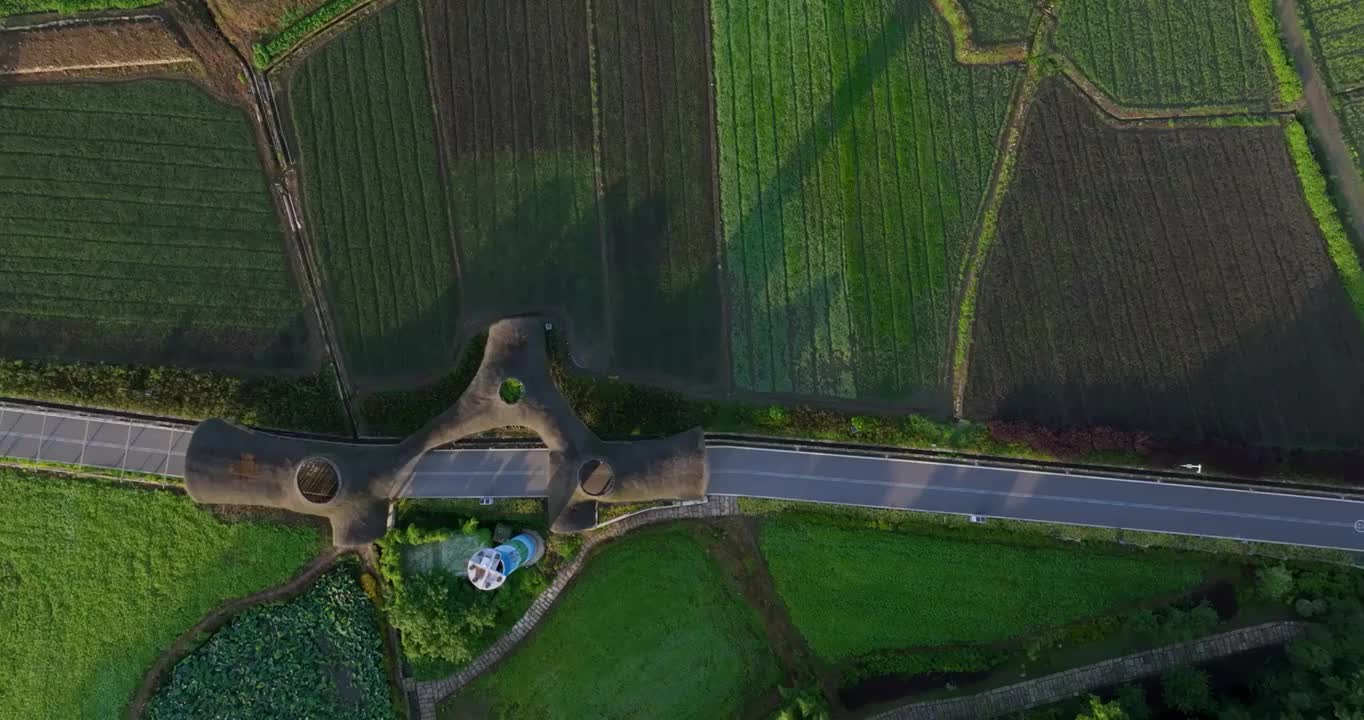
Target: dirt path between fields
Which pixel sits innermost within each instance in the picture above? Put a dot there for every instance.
(188, 640)
(1340, 166)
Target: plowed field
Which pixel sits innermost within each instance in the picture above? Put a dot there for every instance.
(1168, 280)
(375, 205)
(136, 225)
(854, 153)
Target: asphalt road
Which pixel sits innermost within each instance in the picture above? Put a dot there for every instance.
(94, 441)
(961, 489)
(782, 474)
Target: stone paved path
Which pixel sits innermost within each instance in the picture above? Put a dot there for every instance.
(1063, 685)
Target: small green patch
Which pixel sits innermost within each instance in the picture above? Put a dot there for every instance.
(264, 54)
(318, 655)
(650, 629)
(511, 391)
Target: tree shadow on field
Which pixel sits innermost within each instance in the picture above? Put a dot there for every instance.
(791, 365)
(663, 330)
(420, 349)
(1281, 392)
(543, 258)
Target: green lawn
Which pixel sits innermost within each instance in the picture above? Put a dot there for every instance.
(19, 7)
(1164, 53)
(650, 629)
(317, 655)
(852, 592)
(96, 580)
(136, 225)
(374, 197)
(854, 153)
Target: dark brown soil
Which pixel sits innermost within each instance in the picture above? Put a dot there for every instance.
(1169, 281)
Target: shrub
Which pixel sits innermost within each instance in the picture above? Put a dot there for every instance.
(1186, 689)
(1274, 583)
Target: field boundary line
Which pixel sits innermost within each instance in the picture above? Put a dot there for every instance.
(1069, 683)
(1133, 113)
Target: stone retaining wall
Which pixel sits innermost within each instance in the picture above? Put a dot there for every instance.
(1068, 684)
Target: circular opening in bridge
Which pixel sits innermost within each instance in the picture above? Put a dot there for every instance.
(318, 480)
(511, 391)
(594, 477)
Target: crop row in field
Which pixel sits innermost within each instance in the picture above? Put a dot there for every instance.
(514, 97)
(854, 153)
(374, 199)
(96, 580)
(1168, 52)
(659, 189)
(136, 225)
(998, 21)
(654, 606)
(1351, 112)
(1337, 29)
(912, 591)
(1202, 306)
(317, 655)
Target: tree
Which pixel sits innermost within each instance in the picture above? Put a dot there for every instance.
(1100, 710)
(1133, 701)
(1186, 689)
(1274, 583)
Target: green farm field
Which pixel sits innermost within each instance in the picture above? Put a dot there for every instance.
(19, 7)
(137, 225)
(1351, 112)
(1168, 53)
(374, 198)
(96, 580)
(998, 21)
(653, 629)
(911, 591)
(316, 655)
(1337, 31)
(854, 153)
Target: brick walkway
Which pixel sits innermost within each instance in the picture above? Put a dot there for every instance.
(431, 692)
(1068, 684)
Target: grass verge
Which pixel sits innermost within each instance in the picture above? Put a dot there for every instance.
(265, 53)
(653, 630)
(1267, 25)
(1318, 197)
(95, 580)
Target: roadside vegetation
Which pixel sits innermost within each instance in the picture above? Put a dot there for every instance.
(317, 655)
(306, 404)
(96, 580)
(653, 628)
(445, 621)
